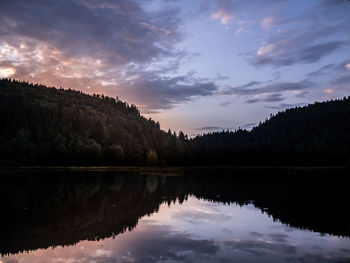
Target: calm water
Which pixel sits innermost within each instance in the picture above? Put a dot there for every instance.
(216, 216)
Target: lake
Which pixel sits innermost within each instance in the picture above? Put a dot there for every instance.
(182, 215)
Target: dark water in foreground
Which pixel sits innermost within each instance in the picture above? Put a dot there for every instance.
(200, 216)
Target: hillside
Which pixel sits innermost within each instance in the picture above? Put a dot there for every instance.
(42, 125)
(317, 134)
(49, 126)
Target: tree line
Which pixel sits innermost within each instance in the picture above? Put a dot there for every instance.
(49, 126)
(42, 125)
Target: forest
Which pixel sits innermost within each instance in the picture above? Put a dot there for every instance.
(55, 126)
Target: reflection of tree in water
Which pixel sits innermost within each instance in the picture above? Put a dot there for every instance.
(313, 200)
(42, 210)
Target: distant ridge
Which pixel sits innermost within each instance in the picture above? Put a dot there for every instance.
(317, 134)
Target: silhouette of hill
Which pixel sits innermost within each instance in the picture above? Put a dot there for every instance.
(42, 125)
(52, 126)
(315, 134)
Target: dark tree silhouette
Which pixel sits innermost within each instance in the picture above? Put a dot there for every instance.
(50, 126)
(42, 125)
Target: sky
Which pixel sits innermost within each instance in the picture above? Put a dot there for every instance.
(197, 66)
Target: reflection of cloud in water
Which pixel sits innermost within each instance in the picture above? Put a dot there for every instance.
(147, 243)
(260, 247)
(195, 217)
(151, 242)
(256, 234)
(103, 253)
(285, 228)
(278, 237)
(225, 240)
(213, 206)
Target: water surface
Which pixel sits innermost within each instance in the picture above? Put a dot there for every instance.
(236, 216)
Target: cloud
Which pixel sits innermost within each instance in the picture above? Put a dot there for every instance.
(164, 244)
(7, 72)
(288, 52)
(321, 71)
(249, 126)
(302, 94)
(270, 88)
(223, 15)
(256, 234)
(271, 98)
(338, 77)
(283, 106)
(341, 73)
(114, 47)
(250, 84)
(342, 79)
(308, 42)
(155, 92)
(241, 30)
(112, 31)
(220, 77)
(210, 128)
(197, 217)
(268, 22)
(261, 247)
(225, 103)
(250, 101)
(333, 79)
(278, 237)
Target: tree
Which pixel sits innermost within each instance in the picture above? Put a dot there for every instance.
(152, 157)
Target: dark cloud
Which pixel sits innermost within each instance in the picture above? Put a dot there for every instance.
(342, 80)
(155, 92)
(114, 47)
(288, 53)
(270, 88)
(250, 84)
(130, 48)
(309, 44)
(273, 98)
(321, 71)
(256, 234)
(260, 247)
(278, 237)
(220, 77)
(341, 76)
(250, 101)
(270, 98)
(116, 31)
(338, 76)
(225, 103)
(315, 52)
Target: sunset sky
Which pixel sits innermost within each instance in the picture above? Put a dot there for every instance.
(196, 66)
